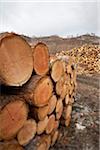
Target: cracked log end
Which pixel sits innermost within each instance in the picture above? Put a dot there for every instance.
(41, 59)
(16, 62)
(12, 118)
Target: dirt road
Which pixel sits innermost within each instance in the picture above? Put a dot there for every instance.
(83, 133)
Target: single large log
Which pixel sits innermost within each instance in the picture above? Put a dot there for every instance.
(38, 90)
(41, 59)
(16, 62)
(57, 70)
(12, 118)
(27, 132)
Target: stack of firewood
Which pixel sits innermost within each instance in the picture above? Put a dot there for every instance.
(37, 96)
(87, 58)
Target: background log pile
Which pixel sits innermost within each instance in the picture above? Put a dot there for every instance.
(87, 58)
(34, 108)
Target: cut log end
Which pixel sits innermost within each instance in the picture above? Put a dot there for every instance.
(51, 124)
(59, 109)
(62, 86)
(27, 132)
(45, 142)
(52, 104)
(67, 114)
(41, 59)
(41, 126)
(16, 62)
(12, 118)
(42, 112)
(57, 70)
(43, 91)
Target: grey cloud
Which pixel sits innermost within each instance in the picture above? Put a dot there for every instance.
(41, 19)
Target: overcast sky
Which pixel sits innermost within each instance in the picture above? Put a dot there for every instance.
(50, 18)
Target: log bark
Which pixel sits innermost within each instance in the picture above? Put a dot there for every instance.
(57, 70)
(51, 124)
(12, 118)
(52, 104)
(41, 126)
(41, 59)
(16, 62)
(27, 132)
(38, 90)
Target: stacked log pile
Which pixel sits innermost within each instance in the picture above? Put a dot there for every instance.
(34, 110)
(86, 57)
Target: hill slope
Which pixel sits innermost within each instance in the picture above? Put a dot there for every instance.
(57, 44)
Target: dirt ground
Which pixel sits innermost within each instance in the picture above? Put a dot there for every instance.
(83, 132)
